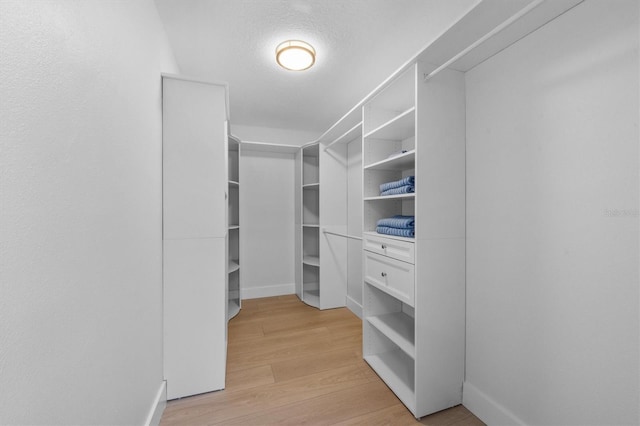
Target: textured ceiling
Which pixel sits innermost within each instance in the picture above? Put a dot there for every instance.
(358, 42)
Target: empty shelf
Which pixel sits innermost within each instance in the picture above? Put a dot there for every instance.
(399, 328)
(233, 266)
(233, 309)
(399, 162)
(311, 260)
(311, 186)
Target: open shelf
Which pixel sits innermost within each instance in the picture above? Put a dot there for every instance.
(311, 260)
(233, 309)
(233, 265)
(395, 368)
(398, 128)
(233, 184)
(311, 186)
(403, 161)
(399, 328)
(311, 225)
(234, 226)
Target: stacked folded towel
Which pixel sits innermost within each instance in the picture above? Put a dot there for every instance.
(398, 225)
(402, 186)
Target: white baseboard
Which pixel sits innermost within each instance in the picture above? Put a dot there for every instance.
(354, 307)
(158, 406)
(486, 409)
(268, 291)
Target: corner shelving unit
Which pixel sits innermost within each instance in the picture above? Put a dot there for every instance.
(233, 244)
(311, 225)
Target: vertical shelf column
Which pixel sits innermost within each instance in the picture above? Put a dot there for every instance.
(234, 301)
(311, 225)
(194, 214)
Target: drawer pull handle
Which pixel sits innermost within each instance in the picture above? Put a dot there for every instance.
(383, 246)
(384, 274)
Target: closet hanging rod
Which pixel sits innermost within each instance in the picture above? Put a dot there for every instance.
(344, 135)
(488, 35)
(324, 231)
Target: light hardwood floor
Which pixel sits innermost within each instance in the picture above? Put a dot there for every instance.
(291, 364)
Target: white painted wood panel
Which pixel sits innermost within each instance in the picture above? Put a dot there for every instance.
(297, 203)
(195, 318)
(440, 159)
(390, 275)
(333, 217)
(194, 159)
(439, 322)
(354, 225)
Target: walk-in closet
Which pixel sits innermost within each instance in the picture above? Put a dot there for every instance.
(371, 215)
(349, 212)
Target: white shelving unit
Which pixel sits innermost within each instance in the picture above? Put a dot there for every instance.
(233, 238)
(310, 291)
(411, 340)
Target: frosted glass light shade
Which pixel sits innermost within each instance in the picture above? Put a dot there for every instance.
(295, 55)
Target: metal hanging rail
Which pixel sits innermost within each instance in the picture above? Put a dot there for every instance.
(324, 231)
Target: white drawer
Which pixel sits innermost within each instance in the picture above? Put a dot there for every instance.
(390, 275)
(398, 249)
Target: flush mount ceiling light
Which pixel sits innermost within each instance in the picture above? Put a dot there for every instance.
(295, 55)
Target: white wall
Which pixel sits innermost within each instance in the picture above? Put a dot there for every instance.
(552, 224)
(80, 215)
(267, 224)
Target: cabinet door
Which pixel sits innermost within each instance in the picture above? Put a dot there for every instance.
(194, 315)
(194, 160)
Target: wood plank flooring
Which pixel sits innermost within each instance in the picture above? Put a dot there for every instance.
(291, 364)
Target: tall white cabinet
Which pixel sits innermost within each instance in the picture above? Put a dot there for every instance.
(195, 225)
(414, 287)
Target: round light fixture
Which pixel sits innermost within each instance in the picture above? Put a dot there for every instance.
(295, 55)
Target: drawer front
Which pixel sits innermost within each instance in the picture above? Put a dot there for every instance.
(390, 275)
(401, 250)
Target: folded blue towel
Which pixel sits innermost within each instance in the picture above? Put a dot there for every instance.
(409, 180)
(398, 221)
(406, 189)
(398, 232)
